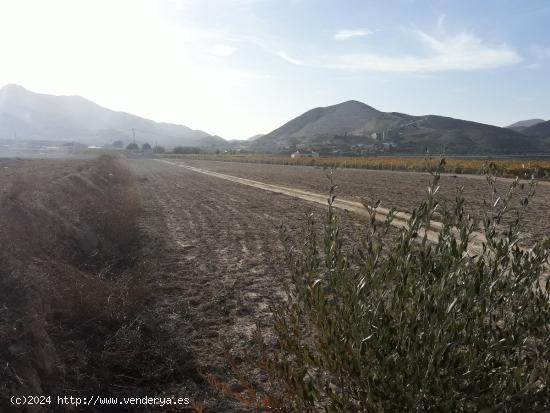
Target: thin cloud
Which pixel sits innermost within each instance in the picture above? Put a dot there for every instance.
(346, 34)
(461, 52)
(284, 55)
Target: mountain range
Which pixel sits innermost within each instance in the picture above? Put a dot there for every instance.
(350, 127)
(33, 116)
(355, 125)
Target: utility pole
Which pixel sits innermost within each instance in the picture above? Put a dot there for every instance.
(134, 134)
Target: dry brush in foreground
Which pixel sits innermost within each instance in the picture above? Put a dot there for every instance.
(73, 288)
(413, 325)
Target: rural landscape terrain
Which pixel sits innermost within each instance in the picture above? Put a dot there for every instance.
(274, 206)
(142, 258)
(161, 285)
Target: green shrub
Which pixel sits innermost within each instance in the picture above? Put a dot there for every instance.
(414, 325)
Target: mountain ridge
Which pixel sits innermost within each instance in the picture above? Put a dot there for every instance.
(525, 123)
(353, 124)
(34, 116)
(351, 127)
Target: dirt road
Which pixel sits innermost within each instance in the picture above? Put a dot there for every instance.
(400, 219)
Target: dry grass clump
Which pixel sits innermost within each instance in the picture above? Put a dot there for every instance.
(72, 287)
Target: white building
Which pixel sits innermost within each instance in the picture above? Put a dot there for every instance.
(298, 154)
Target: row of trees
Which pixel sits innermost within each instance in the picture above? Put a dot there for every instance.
(157, 148)
(135, 147)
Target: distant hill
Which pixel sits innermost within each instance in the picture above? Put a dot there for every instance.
(541, 130)
(354, 124)
(523, 124)
(255, 137)
(25, 115)
(352, 117)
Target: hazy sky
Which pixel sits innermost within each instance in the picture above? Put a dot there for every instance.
(241, 67)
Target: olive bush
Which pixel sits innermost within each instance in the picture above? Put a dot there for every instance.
(401, 323)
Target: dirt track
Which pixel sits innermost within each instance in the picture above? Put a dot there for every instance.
(400, 219)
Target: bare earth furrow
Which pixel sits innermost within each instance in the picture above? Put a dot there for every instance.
(218, 260)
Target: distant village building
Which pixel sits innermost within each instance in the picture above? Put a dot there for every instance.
(379, 136)
(298, 154)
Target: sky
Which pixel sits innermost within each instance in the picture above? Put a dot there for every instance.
(237, 68)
